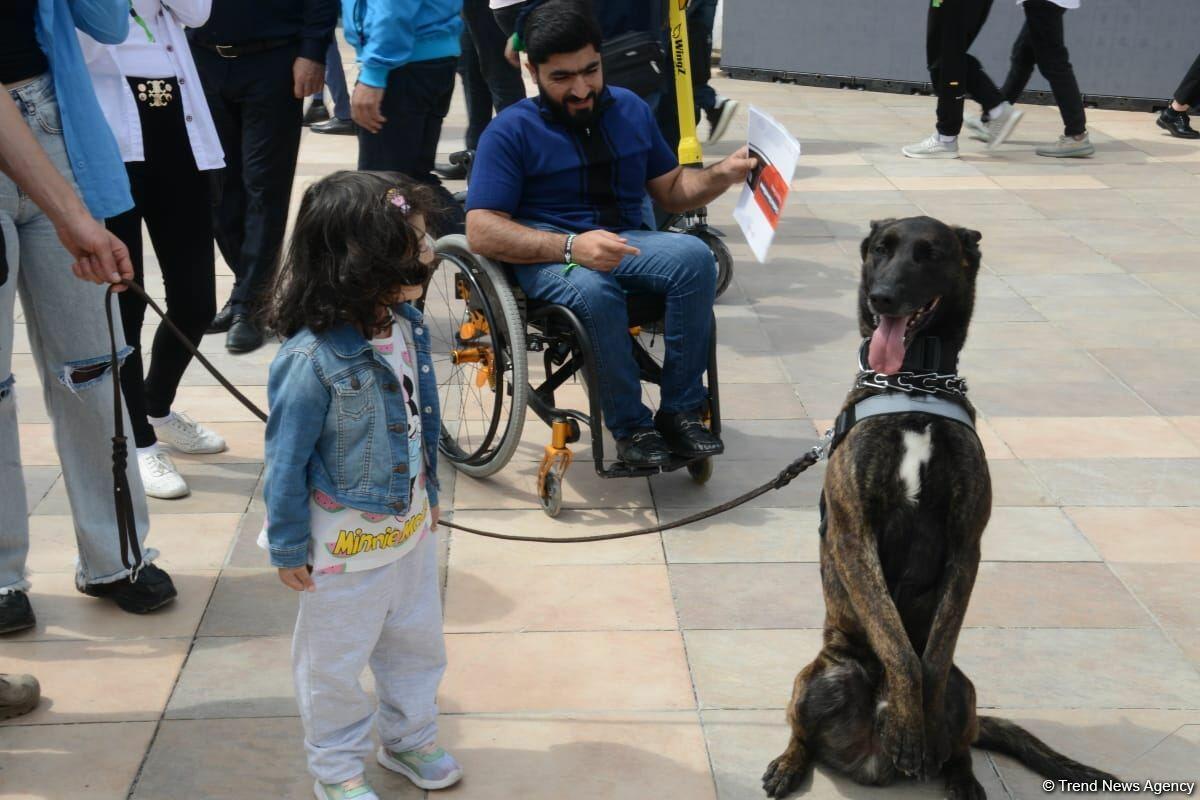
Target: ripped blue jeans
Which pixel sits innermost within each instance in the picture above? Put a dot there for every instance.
(68, 337)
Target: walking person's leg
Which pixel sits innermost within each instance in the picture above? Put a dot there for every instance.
(702, 16)
(1045, 21)
(945, 56)
(269, 147)
(476, 93)
(1174, 118)
(339, 121)
(506, 18)
(1020, 65)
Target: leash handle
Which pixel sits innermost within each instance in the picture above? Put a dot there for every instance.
(131, 549)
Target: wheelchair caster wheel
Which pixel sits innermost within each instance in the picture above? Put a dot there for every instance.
(701, 470)
(551, 495)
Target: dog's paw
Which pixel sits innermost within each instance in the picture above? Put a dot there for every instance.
(965, 787)
(903, 740)
(937, 746)
(782, 774)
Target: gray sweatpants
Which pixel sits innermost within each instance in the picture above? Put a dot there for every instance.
(390, 618)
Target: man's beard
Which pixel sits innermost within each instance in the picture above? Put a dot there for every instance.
(572, 119)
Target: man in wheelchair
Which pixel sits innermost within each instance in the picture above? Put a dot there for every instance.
(558, 191)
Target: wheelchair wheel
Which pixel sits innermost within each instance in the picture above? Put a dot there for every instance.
(551, 496)
(478, 342)
(721, 253)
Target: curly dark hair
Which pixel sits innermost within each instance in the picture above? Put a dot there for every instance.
(352, 245)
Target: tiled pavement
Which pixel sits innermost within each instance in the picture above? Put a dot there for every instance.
(658, 667)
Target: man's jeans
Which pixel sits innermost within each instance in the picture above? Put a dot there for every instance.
(64, 318)
(701, 17)
(335, 81)
(675, 265)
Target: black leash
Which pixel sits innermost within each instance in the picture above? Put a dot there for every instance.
(124, 501)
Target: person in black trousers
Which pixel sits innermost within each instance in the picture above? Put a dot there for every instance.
(1174, 118)
(1041, 43)
(258, 61)
(489, 81)
(951, 28)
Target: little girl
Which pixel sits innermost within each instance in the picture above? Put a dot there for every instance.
(351, 480)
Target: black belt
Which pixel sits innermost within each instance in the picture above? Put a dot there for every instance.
(245, 48)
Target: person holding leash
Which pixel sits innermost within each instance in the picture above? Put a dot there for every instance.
(351, 479)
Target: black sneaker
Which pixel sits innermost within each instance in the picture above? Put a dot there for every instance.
(1177, 123)
(719, 118)
(317, 112)
(687, 435)
(153, 590)
(15, 612)
(645, 448)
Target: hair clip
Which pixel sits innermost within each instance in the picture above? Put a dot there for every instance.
(394, 197)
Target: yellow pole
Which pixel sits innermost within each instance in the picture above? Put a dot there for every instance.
(690, 151)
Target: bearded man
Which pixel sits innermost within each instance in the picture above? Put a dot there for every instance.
(558, 191)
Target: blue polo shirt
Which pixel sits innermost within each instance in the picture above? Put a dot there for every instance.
(536, 169)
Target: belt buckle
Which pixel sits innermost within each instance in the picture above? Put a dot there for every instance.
(222, 48)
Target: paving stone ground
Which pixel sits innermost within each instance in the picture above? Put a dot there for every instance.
(659, 667)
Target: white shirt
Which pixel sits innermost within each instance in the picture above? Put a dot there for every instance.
(1060, 3)
(167, 56)
(494, 4)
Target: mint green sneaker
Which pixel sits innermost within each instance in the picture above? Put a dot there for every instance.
(429, 767)
(353, 789)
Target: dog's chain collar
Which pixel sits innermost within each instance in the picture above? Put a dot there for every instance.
(926, 382)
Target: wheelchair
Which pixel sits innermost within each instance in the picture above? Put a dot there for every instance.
(483, 330)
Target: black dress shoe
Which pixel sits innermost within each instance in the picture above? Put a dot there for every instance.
(458, 167)
(244, 335)
(687, 435)
(645, 448)
(15, 612)
(221, 322)
(153, 590)
(1177, 124)
(317, 112)
(338, 127)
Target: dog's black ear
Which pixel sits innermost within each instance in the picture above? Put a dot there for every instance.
(970, 244)
(876, 226)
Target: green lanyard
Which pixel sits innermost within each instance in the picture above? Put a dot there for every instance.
(150, 36)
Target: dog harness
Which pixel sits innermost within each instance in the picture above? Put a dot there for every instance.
(921, 387)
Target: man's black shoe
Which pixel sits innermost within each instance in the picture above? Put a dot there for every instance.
(1177, 124)
(15, 612)
(338, 127)
(645, 448)
(244, 336)
(687, 435)
(456, 170)
(153, 590)
(224, 318)
(317, 112)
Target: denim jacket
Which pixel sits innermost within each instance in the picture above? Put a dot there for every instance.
(338, 423)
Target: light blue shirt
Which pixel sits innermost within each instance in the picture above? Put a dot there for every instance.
(96, 161)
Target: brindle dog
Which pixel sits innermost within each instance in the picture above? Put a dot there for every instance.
(907, 497)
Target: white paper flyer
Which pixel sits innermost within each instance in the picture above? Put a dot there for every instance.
(767, 187)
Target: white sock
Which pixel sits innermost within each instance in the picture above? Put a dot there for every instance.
(999, 110)
(156, 421)
(944, 139)
(148, 451)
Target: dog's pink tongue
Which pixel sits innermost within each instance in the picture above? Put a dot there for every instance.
(886, 354)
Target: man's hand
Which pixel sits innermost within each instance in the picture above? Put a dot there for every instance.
(435, 514)
(364, 107)
(736, 167)
(298, 578)
(601, 250)
(513, 56)
(100, 257)
(308, 77)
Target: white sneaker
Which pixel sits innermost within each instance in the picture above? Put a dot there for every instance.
(1001, 126)
(159, 477)
(188, 436)
(933, 147)
(977, 127)
(1068, 147)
